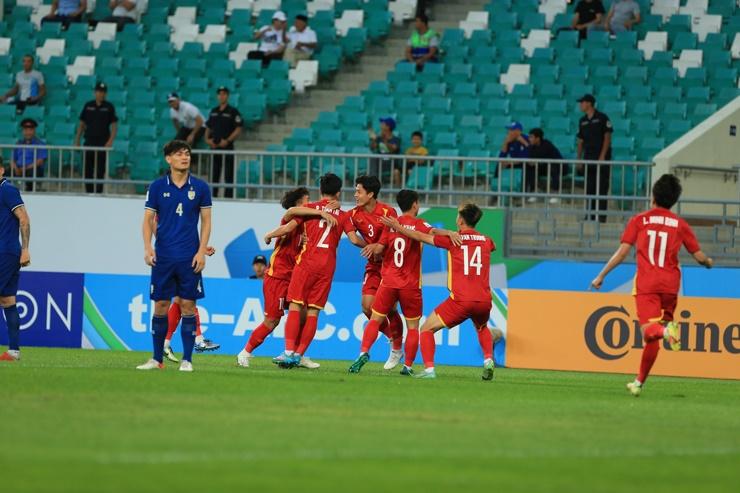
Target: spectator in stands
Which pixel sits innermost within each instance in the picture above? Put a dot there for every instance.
(222, 128)
(423, 45)
(589, 15)
(66, 11)
(99, 123)
(259, 266)
(29, 161)
(417, 149)
(516, 145)
(386, 144)
(187, 119)
(29, 88)
(595, 143)
(122, 12)
(541, 148)
(272, 40)
(622, 16)
(302, 41)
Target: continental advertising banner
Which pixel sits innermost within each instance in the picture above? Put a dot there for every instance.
(600, 332)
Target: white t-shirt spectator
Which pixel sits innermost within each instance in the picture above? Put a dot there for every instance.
(29, 83)
(121, 11)
(307, 36)
(271, 40)
(186, 114)
(624, 11)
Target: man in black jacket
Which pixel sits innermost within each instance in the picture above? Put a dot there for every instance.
(541, 148)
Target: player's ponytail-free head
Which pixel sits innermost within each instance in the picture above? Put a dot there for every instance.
(666, 191)
(371, 184)
(470, 213)
(330, 184)
(406, 199)
(175, 146)
(293, 197)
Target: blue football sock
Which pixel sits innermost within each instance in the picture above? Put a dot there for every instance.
(14, 327)
(188, 337)
(159, 332)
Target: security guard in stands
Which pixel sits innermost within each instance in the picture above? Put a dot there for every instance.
(99, 124)
(222, 128)
(595, 143)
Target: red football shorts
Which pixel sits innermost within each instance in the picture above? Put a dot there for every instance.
(410, 300)
(310, 289)
(655, 307)
(275, 292)
(453, 313)
(371, 281)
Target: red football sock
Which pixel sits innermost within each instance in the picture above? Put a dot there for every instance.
(412, 346)
(173, 320)
(307, 333)
(370, 335)
(198, 333)
(427, 348)
(292, 328)
(485, 339)
(649, 355)
(257, 338)
(395, 326)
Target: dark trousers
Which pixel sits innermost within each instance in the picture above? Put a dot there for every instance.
(225, 162)
(119, 21)
(20, 106)
(183, 133)
(66, 20)
(597, 183)
(265, 57)
(533, 172)
(95, 164)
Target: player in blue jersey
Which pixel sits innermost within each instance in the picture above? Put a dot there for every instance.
(176, 202)
(14, 254)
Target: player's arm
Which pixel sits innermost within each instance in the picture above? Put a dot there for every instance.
(617, 258)
(454, 236)
(148, 233)
(702, 259)
(372, 249)
(281, 231)
(392, 222)
(199, 261)
(355, 239)
(309, 212)
(24, 224)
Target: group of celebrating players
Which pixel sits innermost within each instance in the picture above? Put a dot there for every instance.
(303, 262)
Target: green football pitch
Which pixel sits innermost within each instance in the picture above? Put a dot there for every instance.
(86, 421)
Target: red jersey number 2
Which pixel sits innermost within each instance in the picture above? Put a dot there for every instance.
(324, 235)
(662, 236)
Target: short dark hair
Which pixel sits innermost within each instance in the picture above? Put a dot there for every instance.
(29, 55)
(330, 184)
(291, 197)
(370, 183)
(470, 213)
(667, 190)
(537, 132)
(417, 134)
(423, 18)
(174, 146)
(406, 199)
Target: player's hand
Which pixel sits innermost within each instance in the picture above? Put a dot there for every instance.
(25, 257)
(268, 239)
(199, 262)
(210, 251)
(391, 222)
(596, 283)
(455, 238)
(150, 258)
(709, 263)
(329, 218)
(333, 205)
(369, 251)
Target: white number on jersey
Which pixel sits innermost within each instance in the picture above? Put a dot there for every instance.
(178, 211)
(471, 261)
(651, 246)
(324, 235)
(399, 244)
(371, 231)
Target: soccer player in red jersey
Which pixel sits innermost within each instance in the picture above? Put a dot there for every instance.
(657, 236)
(311, 280)
(282, 263)
(401, 280)
(366, 218)
(469, 284)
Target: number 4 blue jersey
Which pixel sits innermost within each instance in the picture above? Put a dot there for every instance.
(178, 212)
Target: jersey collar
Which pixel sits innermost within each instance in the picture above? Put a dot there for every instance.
(169, 181)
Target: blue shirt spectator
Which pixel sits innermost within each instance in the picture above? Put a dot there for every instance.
(29, 161)
(516, 143)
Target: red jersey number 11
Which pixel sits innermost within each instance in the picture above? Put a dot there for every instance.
(663, 235)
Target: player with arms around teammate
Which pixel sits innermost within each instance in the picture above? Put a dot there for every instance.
(401, 279)
(314, 271)
(366, 219)
(657, 236)
(468, 267)
(178, 201)
(282, 262)
(14, 254)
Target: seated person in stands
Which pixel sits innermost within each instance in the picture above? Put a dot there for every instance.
(423, 45)
(589, 15)
(29, 161)
(417, 149)
(622, 16)
(272, 40)
(386, 143)
(122, 12)
(301, 41)
(515, 145)
(66, 11)
(29, 88)
(541, 148)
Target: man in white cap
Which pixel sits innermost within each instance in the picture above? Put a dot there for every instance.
(272, 40)
(187, 119)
